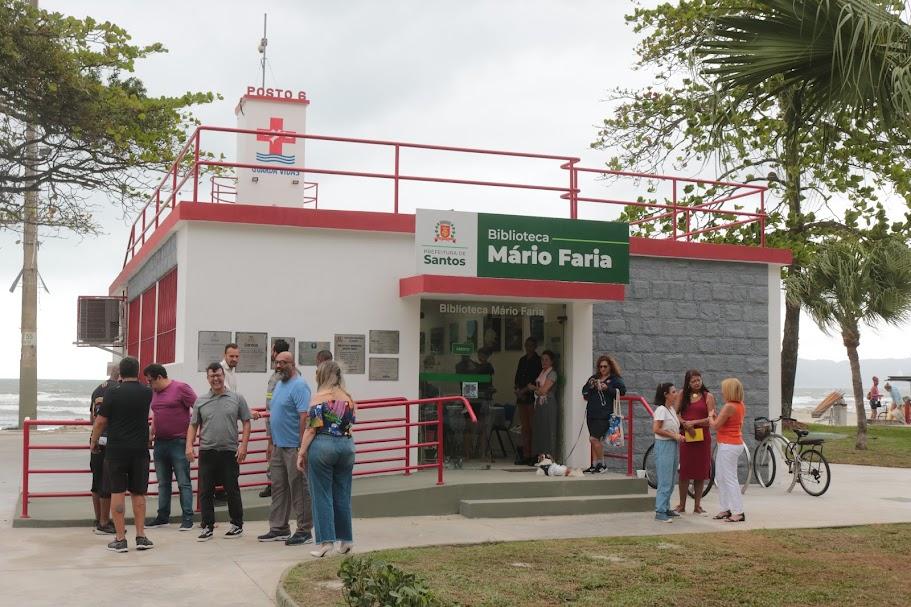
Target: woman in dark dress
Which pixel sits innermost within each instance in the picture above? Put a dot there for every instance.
(696, 406)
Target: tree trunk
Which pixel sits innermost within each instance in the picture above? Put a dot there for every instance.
(789, 345)
(851, 338)
(793, 104)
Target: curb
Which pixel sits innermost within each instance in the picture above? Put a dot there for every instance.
(282, 598)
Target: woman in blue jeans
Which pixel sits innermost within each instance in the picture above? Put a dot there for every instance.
(666, 426)
(327, 454)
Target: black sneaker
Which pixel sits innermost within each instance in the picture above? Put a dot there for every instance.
(206, 535)
(153, 523)
(299, 538)
(267, 492)
(143, 543)
(601, 468)
(234, 531)
(591, 469)
(186, 526)
(274, 536)
(107, 529)
(118, 545)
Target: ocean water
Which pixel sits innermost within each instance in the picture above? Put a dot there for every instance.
(57, 399)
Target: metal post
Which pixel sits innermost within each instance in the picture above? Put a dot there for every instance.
(629, 443)
(762, 219)
(674, 202)
(407, 440)
(26, 450)
(440, 442)
(396, 199)
(196, 168)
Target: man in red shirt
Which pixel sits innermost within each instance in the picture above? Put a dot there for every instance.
(172, 403)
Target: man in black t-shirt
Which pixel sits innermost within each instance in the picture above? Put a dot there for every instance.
(124, 414)
(101, 487)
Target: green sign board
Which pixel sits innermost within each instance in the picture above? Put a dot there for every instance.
(539, 248)
(513, 246)
(461, 348)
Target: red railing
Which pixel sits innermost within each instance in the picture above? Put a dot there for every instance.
(254, 466)
(224, 191)
(186, 168)
(630, 399)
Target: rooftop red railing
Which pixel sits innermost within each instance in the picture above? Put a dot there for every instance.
(685, 216)
(394, 446)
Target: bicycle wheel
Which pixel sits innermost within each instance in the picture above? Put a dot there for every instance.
(651, 467)
(814, 472)
(764, 464)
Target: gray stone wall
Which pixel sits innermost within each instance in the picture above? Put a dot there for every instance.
(680, 314)
(158, 264)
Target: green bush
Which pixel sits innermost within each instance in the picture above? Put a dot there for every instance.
(372, 583)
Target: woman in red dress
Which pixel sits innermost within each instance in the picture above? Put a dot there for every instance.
(696, 405)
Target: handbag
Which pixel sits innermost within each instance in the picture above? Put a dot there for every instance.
(614, 437)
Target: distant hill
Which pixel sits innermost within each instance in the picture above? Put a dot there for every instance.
(837, 375)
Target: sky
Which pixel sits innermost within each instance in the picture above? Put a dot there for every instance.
(521, 75)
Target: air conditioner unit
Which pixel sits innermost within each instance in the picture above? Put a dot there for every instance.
(98, 321)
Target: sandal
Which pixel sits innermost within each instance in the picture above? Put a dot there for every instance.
(731, 519)
(680, 509)
(722, 515)
(698, 510)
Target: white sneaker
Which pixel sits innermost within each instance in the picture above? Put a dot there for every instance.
(322, 551)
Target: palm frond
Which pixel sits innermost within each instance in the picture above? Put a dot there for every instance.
(840, 53)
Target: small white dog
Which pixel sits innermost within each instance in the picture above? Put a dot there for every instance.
(547, 467)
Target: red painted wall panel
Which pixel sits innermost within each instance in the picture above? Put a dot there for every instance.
(147, 330)
(133, 327)
(166, 334)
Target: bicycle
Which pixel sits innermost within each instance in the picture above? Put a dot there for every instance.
(807, 465)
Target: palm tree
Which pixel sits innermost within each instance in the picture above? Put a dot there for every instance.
(852, 282)
(839, 53)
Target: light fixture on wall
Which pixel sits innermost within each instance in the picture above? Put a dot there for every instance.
(295, 181)
(254, 179)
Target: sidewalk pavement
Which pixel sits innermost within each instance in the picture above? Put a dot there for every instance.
(71, 566)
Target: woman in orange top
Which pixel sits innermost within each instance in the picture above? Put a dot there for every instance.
(727, 425)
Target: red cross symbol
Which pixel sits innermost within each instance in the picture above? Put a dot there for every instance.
(276, 126)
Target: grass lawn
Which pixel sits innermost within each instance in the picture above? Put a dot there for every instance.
(847, 566)
(886, 446)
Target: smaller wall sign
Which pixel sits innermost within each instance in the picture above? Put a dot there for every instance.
(211, 347)
(307, 351)
(253, 352)
(351, 353)
(384, 342)
(384, 369)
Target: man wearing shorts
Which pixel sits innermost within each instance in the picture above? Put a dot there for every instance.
(124, 414)
(101, 486)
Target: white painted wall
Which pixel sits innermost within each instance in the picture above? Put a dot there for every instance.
(578, 368)
(774, 341)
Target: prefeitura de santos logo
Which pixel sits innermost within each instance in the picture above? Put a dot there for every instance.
(444, 231)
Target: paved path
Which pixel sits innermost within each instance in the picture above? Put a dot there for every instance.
(70, 566)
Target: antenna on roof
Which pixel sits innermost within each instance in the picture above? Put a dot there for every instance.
(262, 49)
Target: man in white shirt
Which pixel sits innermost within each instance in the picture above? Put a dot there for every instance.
(229, 364)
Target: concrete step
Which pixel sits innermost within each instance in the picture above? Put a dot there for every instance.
(555, 506)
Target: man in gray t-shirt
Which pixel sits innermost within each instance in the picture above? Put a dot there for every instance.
(215, 416)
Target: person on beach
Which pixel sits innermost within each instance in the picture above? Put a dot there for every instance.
(696, 406)
(666, 427)
(728, 427)
(215, 417)
(527, 371)
(172, 402)
(599, 392)
(327, 454)
(101, 483)
(124, 414)
(875, 398)
(229, 364)
(290, 494)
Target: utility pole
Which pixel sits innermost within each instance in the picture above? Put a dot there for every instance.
(263, 43)
(28, 360)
